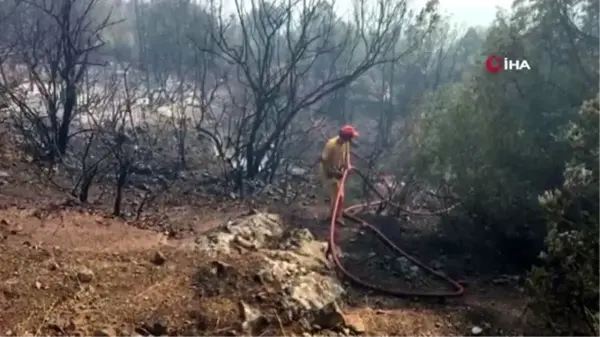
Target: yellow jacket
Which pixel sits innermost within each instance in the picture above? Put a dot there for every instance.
(336, 154)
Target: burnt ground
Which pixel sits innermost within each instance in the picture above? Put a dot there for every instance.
(70, 269)
(493, 302)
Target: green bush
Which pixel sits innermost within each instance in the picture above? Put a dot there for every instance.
(488, 156)
(564, 287)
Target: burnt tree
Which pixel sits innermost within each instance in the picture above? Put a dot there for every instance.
(57, 42)
(274, 46)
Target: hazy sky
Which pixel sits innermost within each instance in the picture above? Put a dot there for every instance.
(473, 12)
(464, 12)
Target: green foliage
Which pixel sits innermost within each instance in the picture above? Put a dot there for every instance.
(488, 155)
(564, 288)
(495, 137)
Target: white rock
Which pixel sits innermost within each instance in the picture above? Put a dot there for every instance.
(476, 331)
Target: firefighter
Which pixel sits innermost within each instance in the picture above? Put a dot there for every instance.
(334, 160)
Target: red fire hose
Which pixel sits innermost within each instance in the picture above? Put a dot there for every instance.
(349, 214)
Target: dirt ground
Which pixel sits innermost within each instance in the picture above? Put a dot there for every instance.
(83, 273)
(74, 270)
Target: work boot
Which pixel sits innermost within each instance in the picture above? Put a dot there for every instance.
(328, 254)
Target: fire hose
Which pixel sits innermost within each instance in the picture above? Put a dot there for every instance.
(349, 213)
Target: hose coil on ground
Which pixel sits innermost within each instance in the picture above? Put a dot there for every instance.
(349, 213)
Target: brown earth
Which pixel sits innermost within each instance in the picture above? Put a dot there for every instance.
(44, 289)
(73, 270)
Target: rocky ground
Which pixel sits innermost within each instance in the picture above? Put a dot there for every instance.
(81, 273)
(233, 268)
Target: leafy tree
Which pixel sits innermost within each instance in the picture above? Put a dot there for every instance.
(564, 288)
(493, 136)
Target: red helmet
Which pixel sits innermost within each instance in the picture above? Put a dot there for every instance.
(348, 131)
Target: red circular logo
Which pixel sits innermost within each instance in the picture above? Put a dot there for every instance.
(494, 63)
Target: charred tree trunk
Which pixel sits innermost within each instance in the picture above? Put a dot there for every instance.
(251, 168)
(70, 103)
(122, 175)
(182, 156)
(86, 184)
